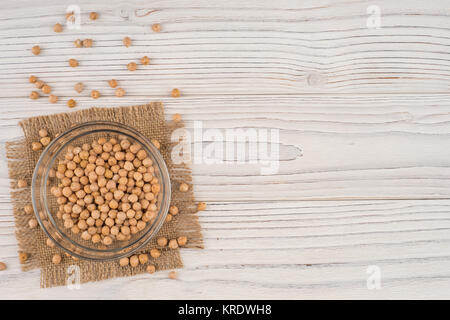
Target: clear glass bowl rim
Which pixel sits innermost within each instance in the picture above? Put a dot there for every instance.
(118, 128)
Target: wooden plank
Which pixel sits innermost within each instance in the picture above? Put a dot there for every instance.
(330, 147)
(324, 254)
(215, 48)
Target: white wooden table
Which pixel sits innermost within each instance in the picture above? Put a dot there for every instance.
(364, 120)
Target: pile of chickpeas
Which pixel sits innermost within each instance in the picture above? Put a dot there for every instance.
(106, 190)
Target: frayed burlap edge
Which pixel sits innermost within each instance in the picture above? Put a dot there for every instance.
(149, 120)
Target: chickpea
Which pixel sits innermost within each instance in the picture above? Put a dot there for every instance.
(50, 243)
(32, 79)
(155, 253)
(78, 43)
(73, 63)
(46, 89)
(169, 217)
(52, 98)
(79, 87)
(162, 241)
(34, 95)
(45, 141)
(95, 94)
(57, 27)
(173, 210)
(23, 257)
(36, 146)
(172, 275)
(151, 268)
(182, 241)
(28, 209)
(22, 183)
(112, 83)
(176, 93)
(126, 42)
(87, 43)
(201, 206)
(36, 50)
(176, 117)
(145, 60)
(173, 244)
(93, 15)
(56, 259)
(124, 262)
(32, 223)
(184, 187)
(156, 27)
(132, 66)
(119, 92)
(71, 103)
(143, 258)
(134, 261)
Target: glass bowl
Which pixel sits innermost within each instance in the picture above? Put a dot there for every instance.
(45, 203)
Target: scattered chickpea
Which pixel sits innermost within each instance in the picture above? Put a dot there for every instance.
(3, 267)
(134, 261)
(39, 84)
(36, 50)
(120, 92)
(173, 244)
(201, 206)
(176, 93)
(52, 98)
(32, 223)
(78, 43)
(126, 41)
(95, 94)
(155, 253)
(143, 258)
(32, 79)
(182, 241)
(69, 16)
(145, 60)
(124, 262)
(172, 275)
(34, 95)
(132, 66)
(57, 27)
(184, 187)
(56, 259)
(73, 63)
(173, 210)
(162, 241)
(151, 268)
(176, 117)
(71, 103)
(156, 27)
(50, 243)
(36, 146)
(87, 43)
(23, 257)
(28, 209)
(93, 15)
(45, 141)
(46, 89)
(79, 87)
(22, 183)
(169, 217)
(43, 133)
(112, 83)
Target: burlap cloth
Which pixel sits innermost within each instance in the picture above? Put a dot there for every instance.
(147, 119)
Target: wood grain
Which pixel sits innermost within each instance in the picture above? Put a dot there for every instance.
(363, 120)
